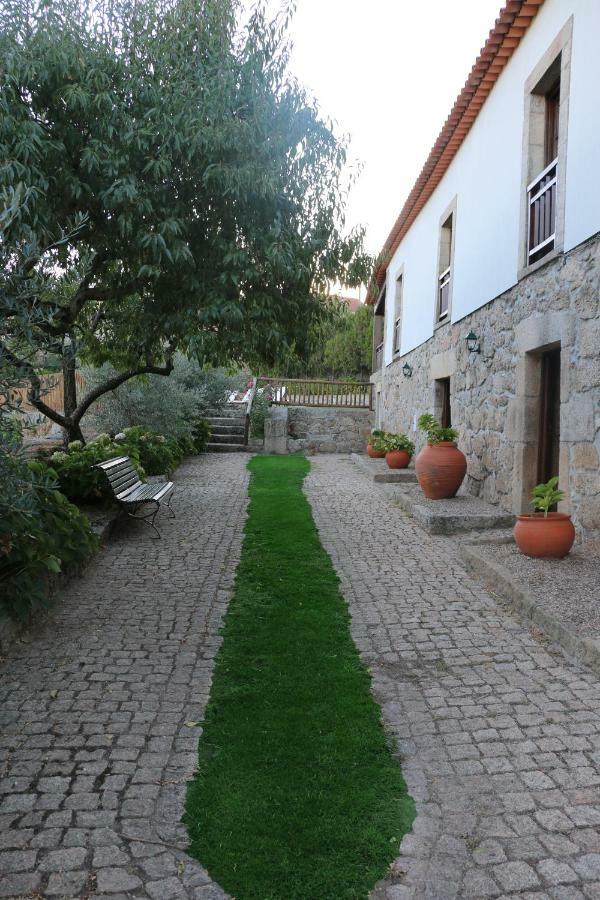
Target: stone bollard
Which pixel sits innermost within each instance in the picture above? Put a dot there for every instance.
(276, 430)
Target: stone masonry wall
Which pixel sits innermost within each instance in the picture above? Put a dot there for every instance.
(495, 394)
(328, 430)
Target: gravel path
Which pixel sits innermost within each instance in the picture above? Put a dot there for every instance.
(500, 735)
(98, 706)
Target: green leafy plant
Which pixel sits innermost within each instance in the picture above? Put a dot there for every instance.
(546, 495)
(258, 413)
(434, 431)
(393, 442)
(378, 440)
(41, 533)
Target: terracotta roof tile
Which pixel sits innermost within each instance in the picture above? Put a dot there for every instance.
(513, 21)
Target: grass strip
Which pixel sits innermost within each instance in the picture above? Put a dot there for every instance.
(298, 796)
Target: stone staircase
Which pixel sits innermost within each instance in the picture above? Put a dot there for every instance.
(227, 429)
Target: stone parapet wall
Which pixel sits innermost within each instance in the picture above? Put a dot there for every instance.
(495, 394)
(328, 429)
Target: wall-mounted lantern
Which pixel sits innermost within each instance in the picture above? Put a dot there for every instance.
(473, 345)
(407, 370)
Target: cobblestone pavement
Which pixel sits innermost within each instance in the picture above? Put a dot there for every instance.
(500, 735)
(97, 706)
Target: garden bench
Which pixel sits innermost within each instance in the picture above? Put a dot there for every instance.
(140, 499)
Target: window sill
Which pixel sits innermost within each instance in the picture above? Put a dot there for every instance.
(440, 324)
(524, 271)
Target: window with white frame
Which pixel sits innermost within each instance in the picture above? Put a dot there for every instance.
(398, 314)
(445, 269)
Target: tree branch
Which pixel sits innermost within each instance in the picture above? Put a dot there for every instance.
(35, 391)
(112, 383)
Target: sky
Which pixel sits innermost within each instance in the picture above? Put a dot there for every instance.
(387, 72)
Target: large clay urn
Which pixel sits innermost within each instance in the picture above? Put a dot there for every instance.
(440, 469)
(374, 454)
(544, 538)
(397, 459)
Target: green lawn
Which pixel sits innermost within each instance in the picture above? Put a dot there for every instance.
(298, 796)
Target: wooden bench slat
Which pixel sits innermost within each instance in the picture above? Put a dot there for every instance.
(125, 480)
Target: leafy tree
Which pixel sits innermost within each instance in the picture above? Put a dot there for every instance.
(349, 349)
(164, 185)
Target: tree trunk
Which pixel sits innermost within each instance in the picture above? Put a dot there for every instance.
(71, 433)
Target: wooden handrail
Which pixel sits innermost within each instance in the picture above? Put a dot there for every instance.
(319, 392)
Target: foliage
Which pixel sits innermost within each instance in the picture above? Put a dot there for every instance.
(77, 477)
(319, 805)
(544, 496)
(260, 407)
(173, 407)
(434, 431)
(200, 436)
(349, 349)
(40, 533)
(393, 442)
(195, 203)
(337, 346)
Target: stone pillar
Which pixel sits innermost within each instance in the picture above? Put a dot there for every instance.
(276, 430)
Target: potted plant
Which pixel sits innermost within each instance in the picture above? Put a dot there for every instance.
(398, 450)
(374, 448)
(440, 466)
(544, 534)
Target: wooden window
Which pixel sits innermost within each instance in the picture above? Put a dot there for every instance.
(398, 314)
(378, 332)
(542, 191)
(445, 270)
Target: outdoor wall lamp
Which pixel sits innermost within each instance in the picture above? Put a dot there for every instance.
(407, 370)
(473, 343)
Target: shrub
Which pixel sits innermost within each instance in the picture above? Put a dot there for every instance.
(258, 413)
(200, 436)
(40, 532)
(156, 455)
(77, 478)
(171, 406)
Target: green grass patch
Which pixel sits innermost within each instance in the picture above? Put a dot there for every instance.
(298, 796)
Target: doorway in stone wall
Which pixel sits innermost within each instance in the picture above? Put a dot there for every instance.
(548, 450)
(443, 410)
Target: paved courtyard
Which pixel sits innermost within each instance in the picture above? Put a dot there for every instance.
(97, 708)
(499, 734)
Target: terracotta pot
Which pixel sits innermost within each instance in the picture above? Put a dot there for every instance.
(374, 454)
(440, 469)
(544, 538)
(397, 459)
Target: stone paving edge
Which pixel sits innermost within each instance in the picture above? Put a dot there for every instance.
(498, 580)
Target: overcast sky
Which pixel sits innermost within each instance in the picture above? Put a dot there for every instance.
(388, 72)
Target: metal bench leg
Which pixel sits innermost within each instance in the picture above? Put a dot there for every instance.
(169, 507)
(149, 518)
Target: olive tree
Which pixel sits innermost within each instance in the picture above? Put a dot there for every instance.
(165, 185)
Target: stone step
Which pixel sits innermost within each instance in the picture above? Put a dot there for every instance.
(226, 412)
(458, 514)
(227, 438)
(381, 473)
(227, 421)
(225, 448)
(227, 429)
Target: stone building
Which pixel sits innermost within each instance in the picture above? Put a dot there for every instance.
(487, 306)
